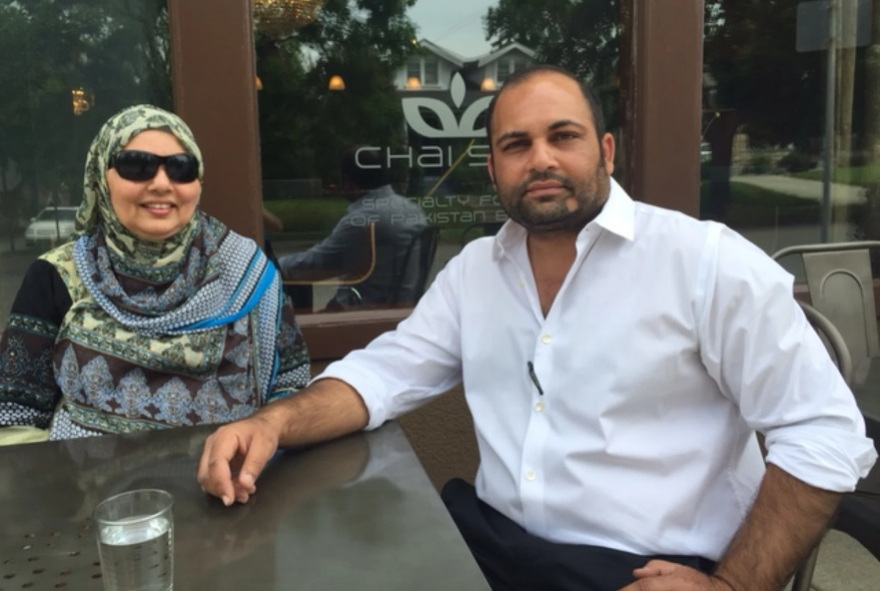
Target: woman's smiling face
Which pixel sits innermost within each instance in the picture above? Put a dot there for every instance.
(157, 208)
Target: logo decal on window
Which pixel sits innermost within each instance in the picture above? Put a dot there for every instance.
(449, 126)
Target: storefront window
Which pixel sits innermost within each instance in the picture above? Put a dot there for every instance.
(65, 68)
(791, 130)
(379, 178)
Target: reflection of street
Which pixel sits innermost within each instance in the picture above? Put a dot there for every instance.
(803, 188)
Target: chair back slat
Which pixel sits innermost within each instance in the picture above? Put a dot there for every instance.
(841, 287)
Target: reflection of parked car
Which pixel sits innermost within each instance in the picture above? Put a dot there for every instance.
(46, 228)
(705, 152)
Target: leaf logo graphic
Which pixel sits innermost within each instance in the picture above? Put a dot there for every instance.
(449, 127)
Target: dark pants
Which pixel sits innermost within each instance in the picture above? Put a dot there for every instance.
(514, 560)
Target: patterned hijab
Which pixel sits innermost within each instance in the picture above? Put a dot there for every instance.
(202, 278)
(96, 211)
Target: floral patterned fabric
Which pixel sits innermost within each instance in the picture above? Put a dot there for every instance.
(89, 374)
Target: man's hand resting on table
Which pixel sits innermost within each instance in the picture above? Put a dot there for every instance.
(234, 456)
(236, 453)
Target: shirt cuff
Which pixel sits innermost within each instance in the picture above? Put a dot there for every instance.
(368, 386)
(822, 456)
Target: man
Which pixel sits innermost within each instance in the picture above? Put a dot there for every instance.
(617, 359)
(397, 222)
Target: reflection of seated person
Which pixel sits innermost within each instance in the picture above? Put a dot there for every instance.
(347, 252)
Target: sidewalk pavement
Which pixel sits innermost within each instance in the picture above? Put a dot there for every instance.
(845, 565)
(804, 188)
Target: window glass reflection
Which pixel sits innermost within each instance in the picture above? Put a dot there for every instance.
(790, 150)
(66, 67)
(417, 77)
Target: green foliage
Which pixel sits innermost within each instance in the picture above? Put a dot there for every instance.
(116, 51)
(582, 36)
(862, 176)
(759, 163)
(303, 125)
(797, 161)
(773, 90)
(753, 207)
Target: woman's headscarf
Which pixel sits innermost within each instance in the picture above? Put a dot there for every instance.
(96, 211)
(203, 277)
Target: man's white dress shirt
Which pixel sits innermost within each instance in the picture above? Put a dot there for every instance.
(669, 344)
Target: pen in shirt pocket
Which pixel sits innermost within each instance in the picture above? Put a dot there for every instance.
(534, 377)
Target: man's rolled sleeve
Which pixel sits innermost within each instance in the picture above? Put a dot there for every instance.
(826, 458)
(369, 387)
(760, 348)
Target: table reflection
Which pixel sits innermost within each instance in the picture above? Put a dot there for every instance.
(355, 513)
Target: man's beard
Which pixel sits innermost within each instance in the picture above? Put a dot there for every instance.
(569, 212)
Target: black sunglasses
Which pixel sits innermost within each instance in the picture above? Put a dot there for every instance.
(134, 165)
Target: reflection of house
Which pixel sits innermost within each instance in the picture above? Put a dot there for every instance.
(433, 67)
(500, 64)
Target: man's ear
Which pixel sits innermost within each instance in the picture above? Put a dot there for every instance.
(608, 148)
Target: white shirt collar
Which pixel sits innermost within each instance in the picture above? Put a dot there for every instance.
(617, 216)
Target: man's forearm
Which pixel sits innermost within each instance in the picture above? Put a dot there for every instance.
(785, 523)
(325, 410)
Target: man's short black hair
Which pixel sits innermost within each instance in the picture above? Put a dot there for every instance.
(370, 174)
(521, 76)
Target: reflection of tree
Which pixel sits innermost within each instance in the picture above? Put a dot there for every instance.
(303, 125)
(116, 50)
(776, 95)
(583, 36)
(845, 87)
(872, 88)
(750, 52)
(869, 227)
(764, 87)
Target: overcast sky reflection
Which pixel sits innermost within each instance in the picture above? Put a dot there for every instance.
(456, 25)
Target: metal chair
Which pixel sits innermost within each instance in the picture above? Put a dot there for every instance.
(299, 288)
(833, 340)
(359, 273)
(837, 348)
(842, 288)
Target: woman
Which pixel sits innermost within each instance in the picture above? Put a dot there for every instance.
(156, 315)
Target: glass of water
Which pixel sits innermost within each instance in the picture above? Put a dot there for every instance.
(136, 541)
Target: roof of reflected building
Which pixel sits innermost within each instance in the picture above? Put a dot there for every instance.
(480, 60)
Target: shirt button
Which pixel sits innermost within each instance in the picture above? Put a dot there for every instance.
(545, 339)
(539, 407)
(530, 475)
